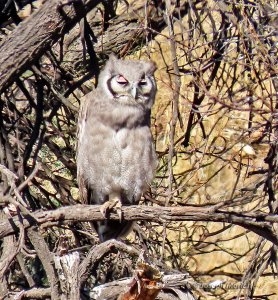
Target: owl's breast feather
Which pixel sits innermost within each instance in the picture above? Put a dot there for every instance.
(120, 138)
(118, 151)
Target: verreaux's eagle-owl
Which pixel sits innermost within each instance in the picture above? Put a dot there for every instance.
(116, 158)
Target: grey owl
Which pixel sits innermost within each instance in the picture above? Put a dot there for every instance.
(116, 158)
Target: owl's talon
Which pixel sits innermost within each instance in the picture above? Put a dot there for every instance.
(118, 208)
(105, 208)
(114, 202)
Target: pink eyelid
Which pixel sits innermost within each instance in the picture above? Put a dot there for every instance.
(121, 79)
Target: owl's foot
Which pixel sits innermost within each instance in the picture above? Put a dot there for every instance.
(113, 202)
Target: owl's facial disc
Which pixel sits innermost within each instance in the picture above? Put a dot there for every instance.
(132, 91)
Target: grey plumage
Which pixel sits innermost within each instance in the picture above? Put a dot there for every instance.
(115, 151)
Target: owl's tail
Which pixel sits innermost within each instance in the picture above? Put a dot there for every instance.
(112, 229)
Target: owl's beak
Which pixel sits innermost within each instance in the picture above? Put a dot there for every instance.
(134, 91)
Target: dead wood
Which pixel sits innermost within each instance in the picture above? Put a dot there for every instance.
(260, 223)
(47, 259)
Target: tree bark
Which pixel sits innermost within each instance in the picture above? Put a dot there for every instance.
(30, 40)
(67, 269)
(46, 258)
(258, 223)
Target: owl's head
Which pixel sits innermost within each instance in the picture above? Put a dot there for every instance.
(129, 82)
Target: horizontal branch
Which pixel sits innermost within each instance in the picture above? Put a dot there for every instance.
(34, 293)
(258, 223)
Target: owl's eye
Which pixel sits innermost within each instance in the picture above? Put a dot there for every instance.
(142, 82)
(121, 80)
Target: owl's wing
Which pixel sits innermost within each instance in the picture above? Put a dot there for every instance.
(83, 191)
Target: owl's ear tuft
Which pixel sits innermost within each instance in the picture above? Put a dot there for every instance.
(113, 57)
(110, 63)
(152, 67)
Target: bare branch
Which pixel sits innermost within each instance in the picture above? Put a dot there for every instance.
(260, 223)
